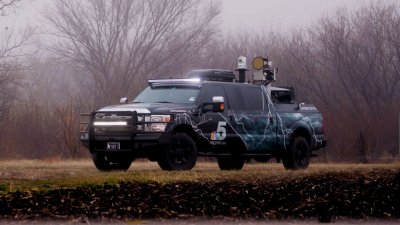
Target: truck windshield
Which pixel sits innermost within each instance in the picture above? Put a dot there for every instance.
(168, 94)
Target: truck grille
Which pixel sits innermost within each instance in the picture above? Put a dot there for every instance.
(114, 117)
(126, 124)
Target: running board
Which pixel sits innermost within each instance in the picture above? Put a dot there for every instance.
(228, 154)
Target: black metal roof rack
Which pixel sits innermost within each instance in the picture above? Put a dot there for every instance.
(212, 75)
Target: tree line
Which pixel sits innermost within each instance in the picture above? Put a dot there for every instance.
(96, 51)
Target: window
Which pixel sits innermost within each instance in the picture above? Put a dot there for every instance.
(168, 94)
(282, 96)
(254, 97)
(210, 91)
(236, 98)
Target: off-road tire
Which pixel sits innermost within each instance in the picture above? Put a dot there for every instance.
(297, 156)
(121, 164)
(104, 163)
(230, 162)
(180, 154)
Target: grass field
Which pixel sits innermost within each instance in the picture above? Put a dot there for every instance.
(31, 175)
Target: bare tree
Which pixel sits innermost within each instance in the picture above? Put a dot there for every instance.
(43, 123)
(348, 65)
(11, 45)
(122, 42)
(5, 4)
(68, 127)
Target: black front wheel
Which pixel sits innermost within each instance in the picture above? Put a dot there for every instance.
(181, 153)
(231, 162)
(108, 163)
(297, 156)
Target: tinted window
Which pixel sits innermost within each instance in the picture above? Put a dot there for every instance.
(236, 98)
(168, 94)
(254, 97)
(282, 96)
(210, 91)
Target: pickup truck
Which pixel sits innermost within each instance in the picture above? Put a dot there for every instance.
(175, 121)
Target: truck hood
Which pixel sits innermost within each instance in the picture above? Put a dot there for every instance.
(163, 108)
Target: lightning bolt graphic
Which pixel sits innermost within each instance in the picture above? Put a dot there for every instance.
(185, 119)
(242, 123)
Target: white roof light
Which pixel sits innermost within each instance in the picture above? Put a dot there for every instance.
(193, 80)
(110, 123)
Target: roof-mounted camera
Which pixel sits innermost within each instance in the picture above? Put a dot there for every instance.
(266, 73)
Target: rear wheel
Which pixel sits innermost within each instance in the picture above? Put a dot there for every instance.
(230, 162)
(181, 153)
(107, 163)
(298, 154)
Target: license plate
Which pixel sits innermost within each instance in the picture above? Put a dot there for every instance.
(113, 145)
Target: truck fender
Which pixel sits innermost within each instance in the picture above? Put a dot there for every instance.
(302, 128)
(181, 128)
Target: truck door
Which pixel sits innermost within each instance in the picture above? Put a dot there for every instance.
(252, 117)
(214, 126)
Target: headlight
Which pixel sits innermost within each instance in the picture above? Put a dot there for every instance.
(159, 123)
(160, 118)
(155, 118)
(100, 115)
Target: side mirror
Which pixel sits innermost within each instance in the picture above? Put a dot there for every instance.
(299, 105)
(123, 100)
(218, 105)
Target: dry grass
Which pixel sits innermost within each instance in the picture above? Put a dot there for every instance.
(30, 175)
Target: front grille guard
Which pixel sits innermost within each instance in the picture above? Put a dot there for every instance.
(84, 122)
(87, 131)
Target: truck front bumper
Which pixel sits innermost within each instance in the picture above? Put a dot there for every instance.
(321, 144)
(147, 145)
(133, 136)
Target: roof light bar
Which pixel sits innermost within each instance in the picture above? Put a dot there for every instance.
(191, 80)
(110, 123)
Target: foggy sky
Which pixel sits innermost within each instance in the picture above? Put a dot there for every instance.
(236, 14)
(281, 14)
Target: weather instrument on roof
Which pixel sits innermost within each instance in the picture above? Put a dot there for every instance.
(268, 72)
(258, 63)
(242, 68)
(242, 63)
